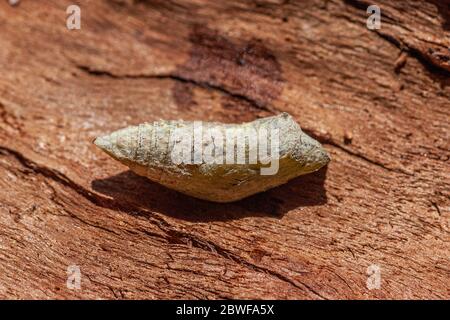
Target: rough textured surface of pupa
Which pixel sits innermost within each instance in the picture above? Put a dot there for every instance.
(214, 167)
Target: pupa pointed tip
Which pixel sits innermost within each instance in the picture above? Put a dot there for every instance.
(103, 142)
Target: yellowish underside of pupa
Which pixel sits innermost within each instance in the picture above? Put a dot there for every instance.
(146, 149)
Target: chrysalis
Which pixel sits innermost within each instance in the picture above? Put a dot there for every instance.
(215, 161)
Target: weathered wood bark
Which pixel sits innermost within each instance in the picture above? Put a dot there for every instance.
(383, 199)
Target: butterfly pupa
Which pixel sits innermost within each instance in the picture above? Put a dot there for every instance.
(216, 161)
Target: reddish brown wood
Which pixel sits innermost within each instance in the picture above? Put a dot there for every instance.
(378, 100)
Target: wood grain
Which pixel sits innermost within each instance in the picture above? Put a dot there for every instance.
(378, 101)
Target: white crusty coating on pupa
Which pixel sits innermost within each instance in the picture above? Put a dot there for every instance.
(145, 149)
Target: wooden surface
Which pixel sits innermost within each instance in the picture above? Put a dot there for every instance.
(377, 100)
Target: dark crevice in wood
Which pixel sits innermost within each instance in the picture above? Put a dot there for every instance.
(368, 160)
(420, 56)
(208, 246)
(436, 207)
(178, 78)
(328, 141)
(423, 57)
